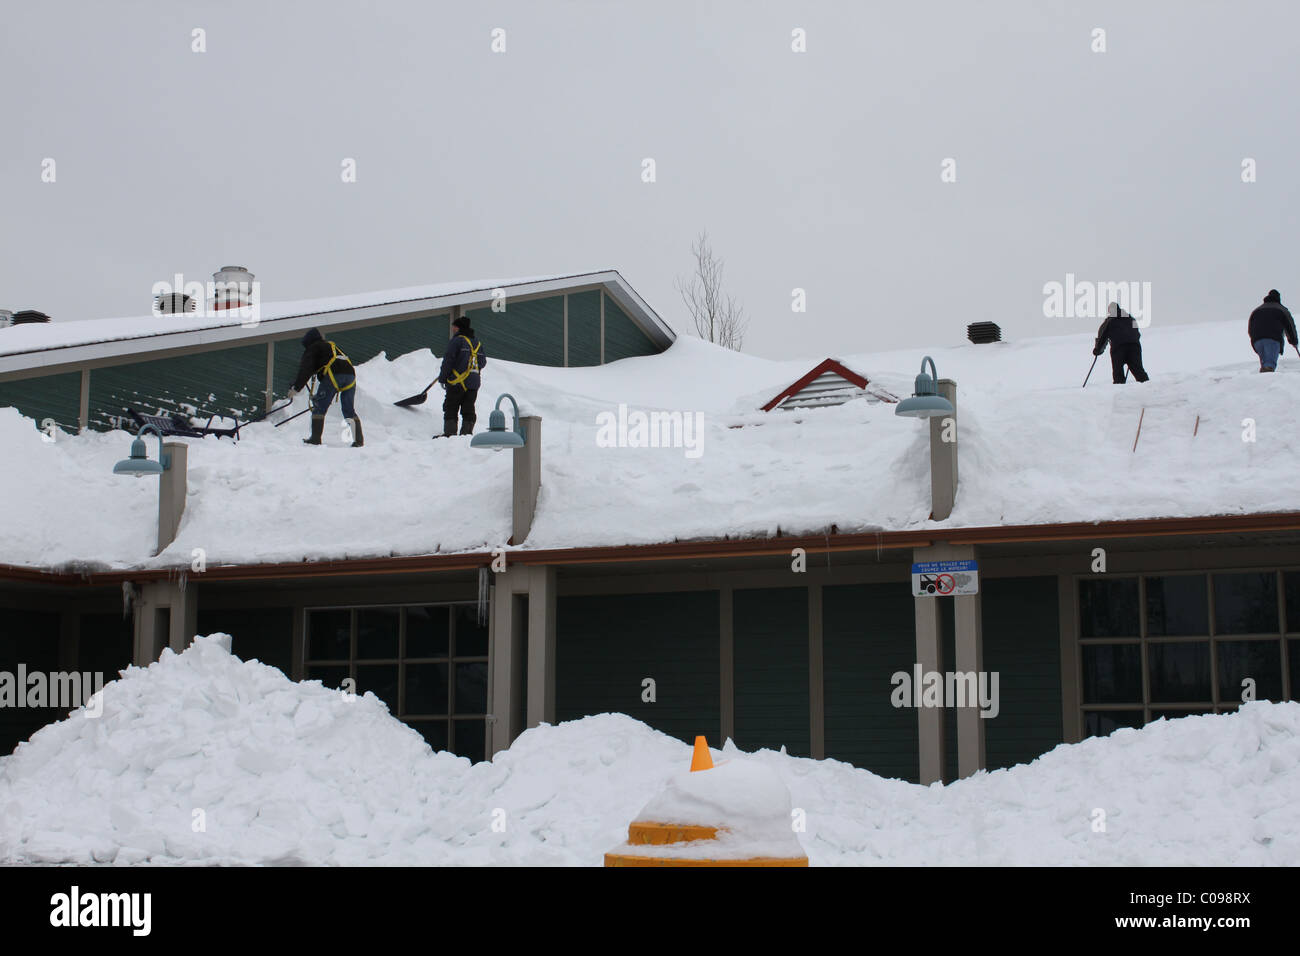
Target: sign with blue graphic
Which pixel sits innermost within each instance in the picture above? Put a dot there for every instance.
(945, 578)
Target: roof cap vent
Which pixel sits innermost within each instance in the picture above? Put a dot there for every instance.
(981, 333)
(6, 317)
(173, 303)
(28, 316)
(233, 288)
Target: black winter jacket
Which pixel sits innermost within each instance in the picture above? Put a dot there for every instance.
(1120, 329)
(316, 355)
(1272, 320)
(457, 359)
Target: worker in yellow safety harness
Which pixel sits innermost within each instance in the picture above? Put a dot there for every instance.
(335, 376)
(461, 363)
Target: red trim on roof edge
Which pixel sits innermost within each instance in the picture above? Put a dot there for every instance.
(829, 365)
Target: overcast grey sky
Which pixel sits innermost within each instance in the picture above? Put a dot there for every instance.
(818, 170)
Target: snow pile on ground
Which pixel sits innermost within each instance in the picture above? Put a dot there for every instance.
(287, 772)
(1033, 446)
(744, 798)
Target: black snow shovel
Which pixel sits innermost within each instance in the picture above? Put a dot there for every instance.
(419, 399)
(310, 397)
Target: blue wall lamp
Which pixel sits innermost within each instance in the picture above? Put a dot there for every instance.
(926, 402)
(497, 436)
(140, 464)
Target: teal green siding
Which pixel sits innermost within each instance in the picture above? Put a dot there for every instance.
(869, 633)
(584, 328)
(363, 344)
(770, 647)
(530, 331)
(623, 337)
(50, 396)
(606, 645)
(223, 382)
(1022, 643)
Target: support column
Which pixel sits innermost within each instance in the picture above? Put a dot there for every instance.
(165, 616)
(929, 720)
(171, 494)
(269, 402)
(83, 412)
(506, 662)
(727, 664)
(541, 646)
(943, 456)
(969, 652)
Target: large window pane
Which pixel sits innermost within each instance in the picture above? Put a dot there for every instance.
(427, 630)
(1100, 723)
(1260, 660)
(1178, 712)
(377, 633)
(471, 636)
(470, 739)
(1109, 607)
(1112, 673)
(331, 675)
(426, 688)
(1179, 672)
(380, 680)
(471, 688)
(1177, 606)
(433, 731)
(1245, 603)
(329, 635)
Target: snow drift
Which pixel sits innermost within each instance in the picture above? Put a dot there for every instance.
(202, 757)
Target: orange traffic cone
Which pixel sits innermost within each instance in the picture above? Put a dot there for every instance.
(701, 760)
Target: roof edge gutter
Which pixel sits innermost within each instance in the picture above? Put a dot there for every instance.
(687, 550)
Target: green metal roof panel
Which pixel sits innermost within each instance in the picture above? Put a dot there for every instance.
(531, 331)
(770, 641)
(226, 382)
(584, 328)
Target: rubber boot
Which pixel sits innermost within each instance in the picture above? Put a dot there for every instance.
(317, 429)
(358, 440)
(448, 427)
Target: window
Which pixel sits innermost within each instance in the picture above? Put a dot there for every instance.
(1174, 645)
(428, 663)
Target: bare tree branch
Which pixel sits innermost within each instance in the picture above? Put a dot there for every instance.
(718, 317)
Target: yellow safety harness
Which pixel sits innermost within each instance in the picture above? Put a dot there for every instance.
(460, 377)
(334, 357)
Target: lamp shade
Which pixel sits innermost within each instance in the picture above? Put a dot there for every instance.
(139, 464)
(497, 436)
(926, 402)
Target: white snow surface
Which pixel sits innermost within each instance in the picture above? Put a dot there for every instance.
(1034, 448)
(287, 772)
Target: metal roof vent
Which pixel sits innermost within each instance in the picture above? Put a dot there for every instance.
(6, 318)
(233, 288)
(172, 303)
(982, 333)
(28, 316)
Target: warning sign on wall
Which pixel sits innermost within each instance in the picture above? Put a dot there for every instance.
(945, 578)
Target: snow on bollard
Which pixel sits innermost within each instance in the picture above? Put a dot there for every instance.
(735, 814)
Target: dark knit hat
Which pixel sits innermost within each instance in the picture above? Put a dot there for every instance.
(460, 322)
(311, 337)
(1273, 296)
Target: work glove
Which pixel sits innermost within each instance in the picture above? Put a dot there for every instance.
(293, 393)
(1098, 350)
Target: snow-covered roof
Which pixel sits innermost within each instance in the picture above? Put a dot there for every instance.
(63, 343)
(1034, 448)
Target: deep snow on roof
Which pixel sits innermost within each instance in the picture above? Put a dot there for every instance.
(1034, 448)
(56, 334)
(291, 772)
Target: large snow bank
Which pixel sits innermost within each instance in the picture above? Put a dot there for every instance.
(1033, 448)
(293, 772)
